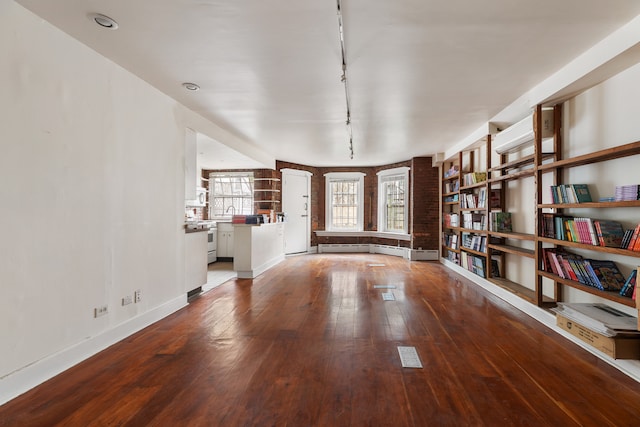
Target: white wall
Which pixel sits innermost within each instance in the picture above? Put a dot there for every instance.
(91, 194)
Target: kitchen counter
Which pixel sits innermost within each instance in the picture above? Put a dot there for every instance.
(257, 247)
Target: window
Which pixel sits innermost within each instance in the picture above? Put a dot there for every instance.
(230, 194)
(393, 202)
(344, 201)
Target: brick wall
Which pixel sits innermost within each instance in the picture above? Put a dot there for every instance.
(425, 207)
(423, 201)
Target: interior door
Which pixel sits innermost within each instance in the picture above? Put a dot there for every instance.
(296, 203)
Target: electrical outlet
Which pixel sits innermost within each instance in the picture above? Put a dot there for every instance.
(127, 300)
(137, 296)
(100, 311)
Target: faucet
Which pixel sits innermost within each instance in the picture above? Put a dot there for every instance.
(231, 207)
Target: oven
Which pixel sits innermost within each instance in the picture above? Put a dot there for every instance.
(212, 243)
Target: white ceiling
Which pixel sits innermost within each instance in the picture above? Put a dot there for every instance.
(422, 74)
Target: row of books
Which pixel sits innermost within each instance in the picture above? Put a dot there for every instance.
(475, 264)
(452, 198)
(474, 178)
(454, 257)
(472, 200)
(452, 171)
(452, 220)
(450, 240)
(474, 242)
(588, 231)
(570, 193)
(501, 222)
(600, 274)
(474, 221)
(627, 192)
(450, 187)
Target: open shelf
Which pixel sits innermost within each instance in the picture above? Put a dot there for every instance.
(472, 186)
(590, 205)
(605, 249)
(529, 253)
(611, 296)
(473, 251)
(519, 290)
(595, 157)
(521, 162)
(513, 235)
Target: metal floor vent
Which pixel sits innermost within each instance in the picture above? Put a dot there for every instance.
(384, 286)
(409, 357)
(377, 265)
(388, 296)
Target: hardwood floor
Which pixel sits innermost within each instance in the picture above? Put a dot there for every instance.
(312, 343)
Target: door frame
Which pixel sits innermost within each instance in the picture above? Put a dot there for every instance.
(308, 175)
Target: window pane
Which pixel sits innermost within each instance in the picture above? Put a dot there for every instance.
(394, 199)
(232, 194)
(344, 205)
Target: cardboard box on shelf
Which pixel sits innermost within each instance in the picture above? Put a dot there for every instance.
(621, 346)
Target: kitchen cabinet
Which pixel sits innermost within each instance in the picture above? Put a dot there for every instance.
(195, 257)
(225, 245)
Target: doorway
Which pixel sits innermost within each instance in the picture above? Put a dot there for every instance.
(296, 203)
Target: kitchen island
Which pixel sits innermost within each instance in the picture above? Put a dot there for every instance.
(257, 247)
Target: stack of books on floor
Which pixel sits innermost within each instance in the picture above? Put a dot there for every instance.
(609, 330)
(627, 192)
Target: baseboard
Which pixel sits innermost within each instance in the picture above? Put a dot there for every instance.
(250, 274)
(630, 368)
(28, 377)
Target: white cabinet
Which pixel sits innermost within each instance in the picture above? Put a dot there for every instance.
(195, 259)
(225, 240)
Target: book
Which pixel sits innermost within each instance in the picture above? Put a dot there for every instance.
(608, 274)
(629, 285)
(582, 193)
(501, 222)
(609, 233)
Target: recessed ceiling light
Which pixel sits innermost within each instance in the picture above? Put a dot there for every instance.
(103, 21)
(191, 86)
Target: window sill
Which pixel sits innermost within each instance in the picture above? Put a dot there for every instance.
(379, 234)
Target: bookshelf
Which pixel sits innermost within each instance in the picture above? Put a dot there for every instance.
(520, 171)
(475, 254)
(450, 190)
(556, 167)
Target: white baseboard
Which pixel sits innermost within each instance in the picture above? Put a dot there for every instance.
(628, 367)
(348, 248)
(389, 250)
(423, 255)
(28, 377)
(250, 274)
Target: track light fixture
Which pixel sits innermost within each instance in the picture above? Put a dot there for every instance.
(343, 77)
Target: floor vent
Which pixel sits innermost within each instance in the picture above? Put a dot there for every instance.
(388, 296)
(384, 286)
(409, 357)
(376, 265)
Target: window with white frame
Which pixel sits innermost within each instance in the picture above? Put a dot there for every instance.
(230, 194)
(393, 200)
(344, 201)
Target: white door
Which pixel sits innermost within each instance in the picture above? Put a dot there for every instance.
(296, 203)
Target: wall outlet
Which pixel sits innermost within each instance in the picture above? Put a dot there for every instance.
(127, 300)
(100, 311)
(137, 296)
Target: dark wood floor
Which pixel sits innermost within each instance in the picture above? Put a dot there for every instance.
(312, 343)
